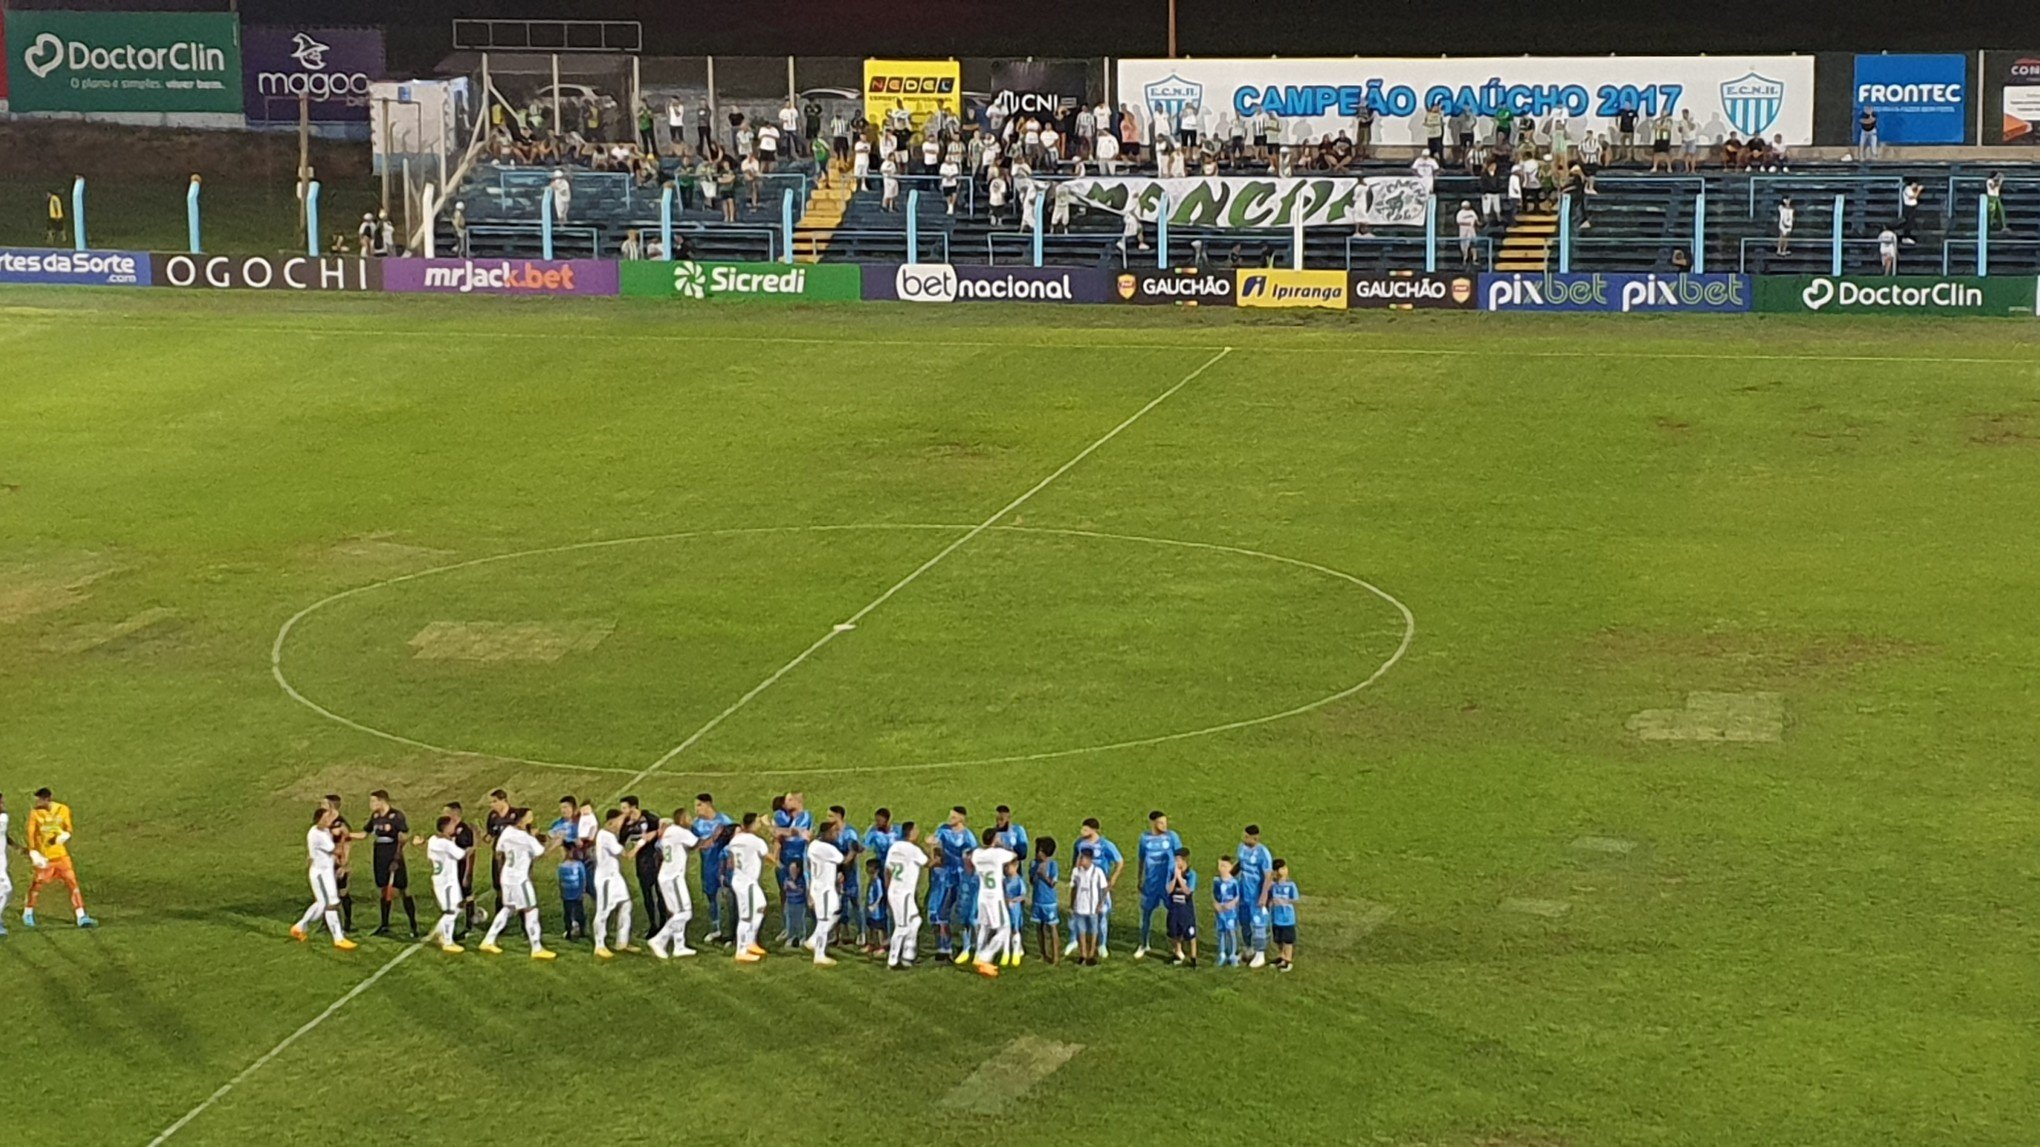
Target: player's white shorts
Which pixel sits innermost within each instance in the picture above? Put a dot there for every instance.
(828, 904)
(903, 908)
(611, 891)
(519, 895)
(448, 895)
(673, 891)
(325, 890)
(749, 896)
(991, 909)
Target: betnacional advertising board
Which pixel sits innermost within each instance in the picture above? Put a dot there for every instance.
(947, 283)
(1313, 98)
(123, 61)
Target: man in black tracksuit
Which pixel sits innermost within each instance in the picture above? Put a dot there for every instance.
(640, 825)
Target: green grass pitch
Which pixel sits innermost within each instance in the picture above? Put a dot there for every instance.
(1698, 811)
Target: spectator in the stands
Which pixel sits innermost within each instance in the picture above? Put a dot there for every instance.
(1264, 131)
(746, 136)
(1434, 131)
(1592, 147)
(1625, 132)
(754, 178)
(1868, 146)
(1491, 187)
(1130, 232)
(632, 249)
(1051, 146)
(1059, 210)
(1189, 119)
(705, 177)
(1515, 203)
(1682, 262)
(822, 164)
(676, 124)
(1732, 153)
(1661, 143)
(1909, 210)
(1469, 231)
(768, 147)
(1561, 142)
(1108, 153)
(562, 195)
(645, 121)
(1363, 130)
(995, 193)
(1462, 135)
(1887, 250)
(931, 154)
(460, 228)
(1426, 167)
(1777, 158)
(811, 120)
(1129, 134)
(704, 125)
(839, 138)
(1687, 132)
(726, 189)
(386, 234)
(1342, 153)
(950, 173)
(889, 184)
(365, 234)
(1994, 202)
(1787, 215)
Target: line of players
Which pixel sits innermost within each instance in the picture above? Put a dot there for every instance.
(982, 887)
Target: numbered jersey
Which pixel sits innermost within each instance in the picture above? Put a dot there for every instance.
(446, 857)
(988, 866)
(674, 842)
(903, 864)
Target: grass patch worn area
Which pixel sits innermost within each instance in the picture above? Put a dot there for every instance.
(1524, 922)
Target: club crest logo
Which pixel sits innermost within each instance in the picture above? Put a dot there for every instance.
(1752, 102)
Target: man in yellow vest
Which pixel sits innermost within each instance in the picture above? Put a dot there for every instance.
(55, 231)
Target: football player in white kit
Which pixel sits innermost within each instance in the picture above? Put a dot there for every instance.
(994, 926)
(746, 856)
(325, 885)
(6, 881)
(674, 842)
(518, 848)
(612, 894)
(446, 858)
(903, 864)
(824, 865)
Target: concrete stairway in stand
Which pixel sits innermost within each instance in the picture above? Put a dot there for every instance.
(1526, 245)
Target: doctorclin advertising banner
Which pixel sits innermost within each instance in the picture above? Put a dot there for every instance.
(1895, 295)
(123, 61)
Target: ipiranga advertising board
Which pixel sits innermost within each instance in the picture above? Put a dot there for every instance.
(1313, 98)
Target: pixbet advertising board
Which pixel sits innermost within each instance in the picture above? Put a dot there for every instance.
(123, 61)
(1918, 99)
(1313, 98)
(1620, 293)
(329, 67)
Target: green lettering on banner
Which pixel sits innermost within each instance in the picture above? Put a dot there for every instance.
(123, 61)
(1899, 295)
(789, 282)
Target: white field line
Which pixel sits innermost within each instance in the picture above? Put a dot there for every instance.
(847, 626)
(410, 949)
(1408, 619)
(1497, 351)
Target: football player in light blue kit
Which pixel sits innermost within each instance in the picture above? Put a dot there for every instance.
(837, 831)
(1011, 837)
(1108, 857)
(1256, 866)
(707, 824)
(1042, 877)
(1158, 847)
(1016, 914)
(949, 884)
(1225, 908)
(792, 827)
(878, 840)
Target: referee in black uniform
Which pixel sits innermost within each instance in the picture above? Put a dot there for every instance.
(501, 816)
(387, 829)
(641, 825)
(464, 838)
(344, 837)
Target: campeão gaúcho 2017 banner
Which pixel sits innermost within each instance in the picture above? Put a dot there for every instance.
(1314, 98)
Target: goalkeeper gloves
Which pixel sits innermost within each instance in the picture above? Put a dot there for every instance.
(62, 837)
(37, 859)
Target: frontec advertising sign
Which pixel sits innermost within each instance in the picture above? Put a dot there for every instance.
(944, 283)
(780, 281)
(1619, 293)
(1918, 99)
(1191, 286)
(501, 276)
(1314, 98)
(123, 61)
(1897, 295)
(1274, 287)
(267, 272)
(329, 67)
(74, 268)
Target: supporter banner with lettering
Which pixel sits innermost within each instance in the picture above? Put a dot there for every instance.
(1247, 201)
(1313, 98)
(2012, 82)
(920, 86)
(1918, 99)
(501, 276)
(332, 67)
(123, 61)
(771, 281)
(1897, 295)
(74, 268)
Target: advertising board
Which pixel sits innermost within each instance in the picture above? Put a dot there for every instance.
(74, 268)
(1619, 293)
(1896, 295)
(944, 283)
(331, 67)
(920, 86)
(123, 61)
(268, 272)
(501, 276)
(1275, 287)
(1314, 98)
(782, 282)
(1918, 99)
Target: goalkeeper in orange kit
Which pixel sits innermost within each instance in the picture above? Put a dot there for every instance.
(49, 837)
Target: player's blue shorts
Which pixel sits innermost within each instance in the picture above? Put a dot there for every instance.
(942, 894)
(1016, 917)
(1153, 898)
(1226, 922)
(1046, 914)
(1082, 925)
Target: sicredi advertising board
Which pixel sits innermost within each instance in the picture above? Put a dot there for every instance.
(123, 61)
(1313, 98)
(1918, 99)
